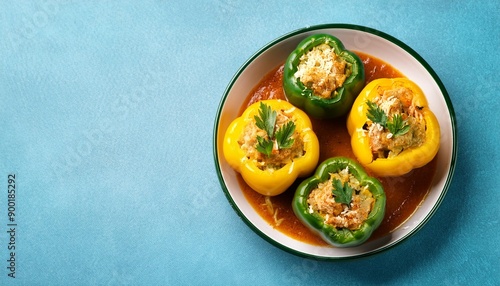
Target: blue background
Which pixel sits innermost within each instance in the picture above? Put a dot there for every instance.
(107, 111)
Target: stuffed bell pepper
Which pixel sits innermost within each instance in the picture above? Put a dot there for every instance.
(270, 145)
(323, 78)
(392, 128)
(340, 203)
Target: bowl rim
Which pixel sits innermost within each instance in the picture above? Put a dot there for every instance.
(372, 31)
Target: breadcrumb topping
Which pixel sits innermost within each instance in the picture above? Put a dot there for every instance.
(322, 70)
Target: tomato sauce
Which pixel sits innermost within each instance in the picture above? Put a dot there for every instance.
(404, 194)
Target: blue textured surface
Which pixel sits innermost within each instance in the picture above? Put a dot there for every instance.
(106, 119)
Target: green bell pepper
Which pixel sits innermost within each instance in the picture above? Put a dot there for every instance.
(354, 200)
(323, 78)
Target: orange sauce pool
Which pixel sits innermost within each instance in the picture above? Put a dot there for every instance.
(404, 194)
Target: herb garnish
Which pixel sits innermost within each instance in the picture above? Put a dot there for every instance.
(283, 135)
(342, 193)
(376, 114)
(264, 146)
(267, 121)
(397, 126)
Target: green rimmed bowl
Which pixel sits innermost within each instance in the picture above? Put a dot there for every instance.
(369, 41)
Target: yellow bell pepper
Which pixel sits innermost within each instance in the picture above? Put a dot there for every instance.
(399, 121)
(271, 173)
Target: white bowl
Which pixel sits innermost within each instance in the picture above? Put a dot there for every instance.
(369, 41)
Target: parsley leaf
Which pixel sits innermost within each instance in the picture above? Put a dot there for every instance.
(264, 146)
(376, 114)
(398, 126)
(342, 193)
(266, 119)
(283, 135)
